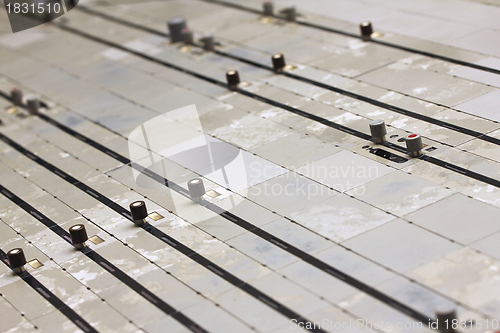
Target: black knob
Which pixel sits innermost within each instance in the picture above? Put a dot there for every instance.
(187, 36)
(366, 29)
(268, 8)
(78, 234)
(138, 210)
(208, 42)
(278, 62)
(33, 105)
(290, 13)
(175, 26)
(16, 258)
(233, 79)
(446, 315)
(16, 95)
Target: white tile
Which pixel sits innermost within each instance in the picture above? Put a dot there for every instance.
(131, 305)
(315, 280)
(479, 75)
(400, 193)
(288, 193)
(341, 217)
(479, 41)
(455, 217)
(295, 150)
(332, 319)
(401, 246)
(475, 286)
(250, 310)
(427, 85)
(355, 265)
(262, 250)
(344, 170)
(11, 317)
(97, 312)
(375, 314)
(488, 245)
(482, 106)
(289, 294)
(214, 318)
(297, 236)
(32, 305)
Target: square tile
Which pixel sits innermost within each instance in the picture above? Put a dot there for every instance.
(475, 285)
(452, 218)
(315, 280)
(415, 246)
(262, 250)
(288, 193)
(289, 294)
(344, 170)
(214, 318)
(482, 106)
(489, 245)
(295, 150)
(355, 265)
(296, 235)
(251, 310)
(400, 193)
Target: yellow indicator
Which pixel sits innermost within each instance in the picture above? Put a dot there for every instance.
(96, 240)
(35, 263)
(213, 194)
(155, 216)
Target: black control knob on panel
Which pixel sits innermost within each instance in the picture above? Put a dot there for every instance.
(139, 212)
(33, 105)
(233, 79)
(78, 235)
(278, 62)
(268, 8)
(290, 13)
(175, 27)
(208, 42)
(366, 29)
(16, 95)
(187, 36)
(17, 260)
(445, 318)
